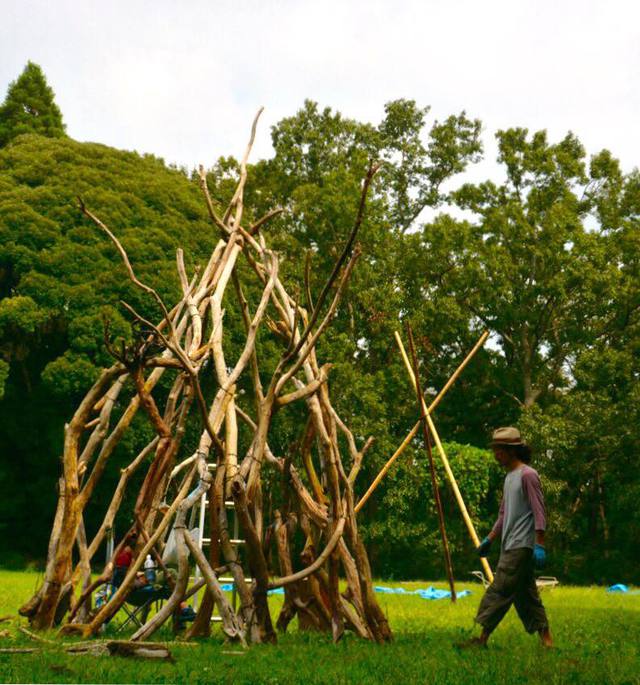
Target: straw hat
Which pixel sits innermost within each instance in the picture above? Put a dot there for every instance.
(506, 436)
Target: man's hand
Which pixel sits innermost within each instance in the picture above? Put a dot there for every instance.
(539, 556)
(483, 548)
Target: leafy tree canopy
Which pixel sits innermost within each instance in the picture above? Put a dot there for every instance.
(61, 278)
(534, 264)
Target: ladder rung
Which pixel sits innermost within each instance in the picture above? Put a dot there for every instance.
(224, 579)
(228, 503)
(231, 580)
(233, 541)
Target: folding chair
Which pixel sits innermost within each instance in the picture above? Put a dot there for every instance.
(139, 603)
(479, 575)
(547, 581)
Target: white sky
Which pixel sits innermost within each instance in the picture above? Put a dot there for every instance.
(183, 79)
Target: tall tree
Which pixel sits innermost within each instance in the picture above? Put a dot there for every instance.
(533, 264)
(30, 107)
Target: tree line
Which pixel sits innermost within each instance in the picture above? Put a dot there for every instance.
(545, 256)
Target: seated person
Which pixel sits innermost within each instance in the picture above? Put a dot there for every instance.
(123, 561)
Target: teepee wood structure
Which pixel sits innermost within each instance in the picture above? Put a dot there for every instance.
(319, 482)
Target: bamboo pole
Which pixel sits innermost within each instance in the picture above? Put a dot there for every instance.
(422, 408)
(414, 430)
(452, 479)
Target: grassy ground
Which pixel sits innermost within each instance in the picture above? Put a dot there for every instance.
(596, 634)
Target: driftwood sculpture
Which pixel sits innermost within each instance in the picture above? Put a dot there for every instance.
(319, 482)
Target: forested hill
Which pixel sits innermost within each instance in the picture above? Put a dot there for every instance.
(59, 279)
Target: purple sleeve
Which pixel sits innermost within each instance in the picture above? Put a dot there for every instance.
(533, 491)
(497, 526)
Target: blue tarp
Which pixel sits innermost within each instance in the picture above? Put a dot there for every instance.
(621, 588)
(425, 593)
(228, 587)
(432, 592)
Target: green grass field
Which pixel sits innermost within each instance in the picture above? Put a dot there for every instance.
(597, 636)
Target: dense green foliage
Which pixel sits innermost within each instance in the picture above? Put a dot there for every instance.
(593, 630)
(30, 107)
(59, 280)
(547, 258)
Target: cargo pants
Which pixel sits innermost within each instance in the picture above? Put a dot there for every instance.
(514, 583)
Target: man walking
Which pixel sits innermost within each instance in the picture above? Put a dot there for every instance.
(521, 525)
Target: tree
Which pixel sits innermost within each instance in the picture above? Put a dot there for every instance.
(532, 265)
(30, 107)
(588, 434)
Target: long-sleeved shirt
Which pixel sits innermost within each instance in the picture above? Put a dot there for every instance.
(521, 510)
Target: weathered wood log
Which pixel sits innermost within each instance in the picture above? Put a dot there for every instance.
(257, 561)
(61, 564)
(140, 650)
(173, 603)
(19, 650)
(36, 638)
(201, 627)
(230, 623)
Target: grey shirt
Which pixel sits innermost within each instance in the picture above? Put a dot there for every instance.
(521, 509)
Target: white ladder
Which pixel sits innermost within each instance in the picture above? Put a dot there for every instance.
(203, 541)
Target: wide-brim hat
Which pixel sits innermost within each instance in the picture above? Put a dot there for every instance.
(509, 435)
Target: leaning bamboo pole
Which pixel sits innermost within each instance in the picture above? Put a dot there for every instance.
(447, 467)
(422, 408)
(405, 443)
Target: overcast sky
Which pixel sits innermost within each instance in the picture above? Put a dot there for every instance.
(182, 79)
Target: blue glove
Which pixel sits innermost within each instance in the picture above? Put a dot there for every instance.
(483, 548)
(539, 556)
